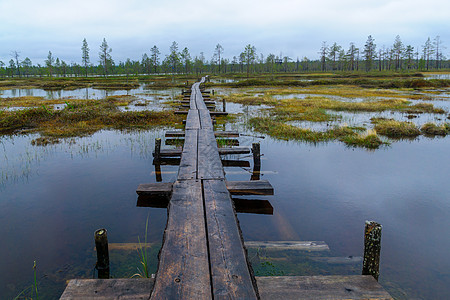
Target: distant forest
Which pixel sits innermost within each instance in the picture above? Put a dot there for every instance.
(334, 57)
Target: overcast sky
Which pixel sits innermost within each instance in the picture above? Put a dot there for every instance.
(295, 28)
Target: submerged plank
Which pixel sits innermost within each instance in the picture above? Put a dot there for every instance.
(108, 289)
(254, 187)
(289, 245)
(320, 287)
(183, 268)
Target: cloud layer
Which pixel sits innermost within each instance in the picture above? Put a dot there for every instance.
(295, 28)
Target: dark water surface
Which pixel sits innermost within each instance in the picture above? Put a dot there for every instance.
(53, 198)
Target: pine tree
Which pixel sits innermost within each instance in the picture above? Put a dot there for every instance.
(85, 56)
(105, 56)
(369, 52)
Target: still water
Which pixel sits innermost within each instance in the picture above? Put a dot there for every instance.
(53, 199)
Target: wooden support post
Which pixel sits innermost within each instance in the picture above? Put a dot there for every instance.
(372, 249)
(256, 175)
(224, 105)
(157, 148)
(101, 244)
(256, 154)
(213, 92)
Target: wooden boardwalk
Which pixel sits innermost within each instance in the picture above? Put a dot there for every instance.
(203, 254)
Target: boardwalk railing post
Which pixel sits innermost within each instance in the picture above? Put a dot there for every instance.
(101, 244)
(372, 249)
(224, 105)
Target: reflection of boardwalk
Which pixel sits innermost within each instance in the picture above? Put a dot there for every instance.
(203, 254)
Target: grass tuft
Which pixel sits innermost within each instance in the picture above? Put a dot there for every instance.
(396, 129)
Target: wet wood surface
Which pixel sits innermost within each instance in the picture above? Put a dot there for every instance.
(202, 256)
(321, 287)
(254, 187)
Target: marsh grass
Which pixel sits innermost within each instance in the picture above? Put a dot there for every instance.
(347, 135)
(395, 129)
(33, 289)
(83, 118)
(143, 254)
(431, 129)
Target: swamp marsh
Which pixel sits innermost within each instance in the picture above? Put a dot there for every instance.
(336, 154)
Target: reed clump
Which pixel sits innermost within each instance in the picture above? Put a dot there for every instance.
(431, 129)
(396, 129)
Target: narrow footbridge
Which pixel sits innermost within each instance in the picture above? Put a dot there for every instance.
(203, 255)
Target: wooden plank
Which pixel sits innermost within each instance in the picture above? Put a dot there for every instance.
(107, 289)
(346, 260)
(253, 206)
(192, 120)
(234, 150)
(170, 152)
(229, 268)
(205, 119)
(219, 113)
(180, 133)
(155, 189)
(235, 163)
(320, 287)
(181, 112)
(254, 187)
(188, 163)
(209, 163)
(289, 245)
(183, 269)
(222, 151)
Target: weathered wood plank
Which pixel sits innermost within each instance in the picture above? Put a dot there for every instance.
(188, 163)
(222, 151)
(192, 120)
(180, 133)
(218, 113)
(289, 245)
(234, 150)
(230, 275)
(235, 163)
(253, 206)
(155, 189)
(170, 152)
(183, 269)
(108, 289)
(205, 119)
(254, 187)
(320, 287)
(209, 163)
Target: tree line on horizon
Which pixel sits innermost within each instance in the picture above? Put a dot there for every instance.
(398, 57)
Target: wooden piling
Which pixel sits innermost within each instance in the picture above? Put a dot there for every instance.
(256, 154)
(372, 249)
(157, 148)
(101, 244)
(224, 105)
